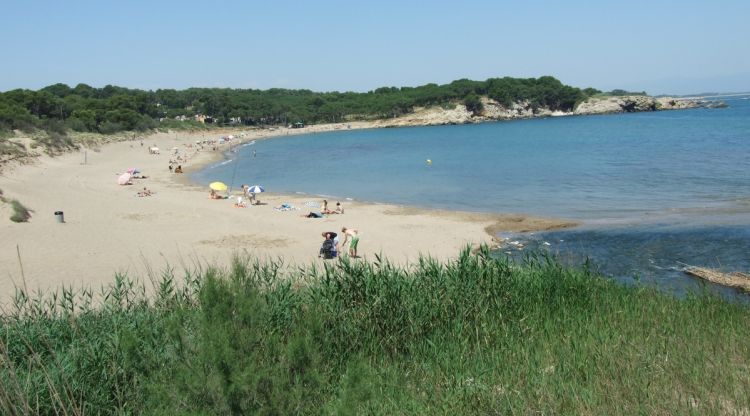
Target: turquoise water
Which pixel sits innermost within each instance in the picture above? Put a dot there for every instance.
(661, 172)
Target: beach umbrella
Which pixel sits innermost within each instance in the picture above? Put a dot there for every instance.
(256, 189)
(218, 186)
(124, 179)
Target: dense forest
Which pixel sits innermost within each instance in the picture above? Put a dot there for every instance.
(59, 108)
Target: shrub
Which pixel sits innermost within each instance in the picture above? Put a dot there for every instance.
(76, 124)
(109, 127)
(55, 142)
(20, 212)
(12, 149)
(473, 104)
(144, 124)
(53, 126)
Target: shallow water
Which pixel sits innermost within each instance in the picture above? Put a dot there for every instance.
(652, 255)
(675, 184)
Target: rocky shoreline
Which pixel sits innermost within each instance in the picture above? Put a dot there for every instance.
(494, 111)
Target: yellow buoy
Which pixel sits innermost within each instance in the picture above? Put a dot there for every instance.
(429, 161)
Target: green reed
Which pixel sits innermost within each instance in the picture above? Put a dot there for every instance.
(472, 335)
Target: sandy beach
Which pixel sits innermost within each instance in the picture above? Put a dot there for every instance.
(108, 229)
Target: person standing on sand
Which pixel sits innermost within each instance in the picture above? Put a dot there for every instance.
(352, 233)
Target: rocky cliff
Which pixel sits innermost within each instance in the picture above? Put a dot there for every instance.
(493, 110)
(634, 103)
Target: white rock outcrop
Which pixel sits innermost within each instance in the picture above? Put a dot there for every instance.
(493, 111)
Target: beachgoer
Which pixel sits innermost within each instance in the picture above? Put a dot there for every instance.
(240, 203)
(325, 209)
(328, 248)
(178, 169)
(145, 192)
(312, 214)
(352, 233)
(339, 208)
(214, 195)
(170, 168)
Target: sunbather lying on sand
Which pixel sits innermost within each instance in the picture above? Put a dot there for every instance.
(312, 214)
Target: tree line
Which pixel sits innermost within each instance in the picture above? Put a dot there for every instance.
(59, 108)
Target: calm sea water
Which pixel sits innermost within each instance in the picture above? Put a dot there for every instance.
(652, 190)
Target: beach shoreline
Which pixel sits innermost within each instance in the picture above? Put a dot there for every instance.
(108, 229)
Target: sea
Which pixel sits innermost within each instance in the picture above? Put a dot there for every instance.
(653, 192)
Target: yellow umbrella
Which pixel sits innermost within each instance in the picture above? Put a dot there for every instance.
(218, 186)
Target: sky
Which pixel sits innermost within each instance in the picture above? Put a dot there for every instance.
(661, 47)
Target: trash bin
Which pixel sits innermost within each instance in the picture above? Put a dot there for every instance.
(59, 216)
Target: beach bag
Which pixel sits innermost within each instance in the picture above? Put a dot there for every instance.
(326, 250)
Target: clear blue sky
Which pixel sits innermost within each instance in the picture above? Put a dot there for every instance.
(658, 46)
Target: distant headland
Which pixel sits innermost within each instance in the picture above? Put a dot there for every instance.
(493, 111)
(57, 118)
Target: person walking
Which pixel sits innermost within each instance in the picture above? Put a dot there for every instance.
(351, 235)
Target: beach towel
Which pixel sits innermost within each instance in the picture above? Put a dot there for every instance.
(284, 207)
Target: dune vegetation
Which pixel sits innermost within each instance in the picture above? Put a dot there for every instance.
(474, 335)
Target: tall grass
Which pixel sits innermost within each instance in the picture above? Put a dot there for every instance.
(474, 335)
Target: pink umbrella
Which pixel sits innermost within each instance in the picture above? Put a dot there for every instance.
(133, 171)
(124, 179)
